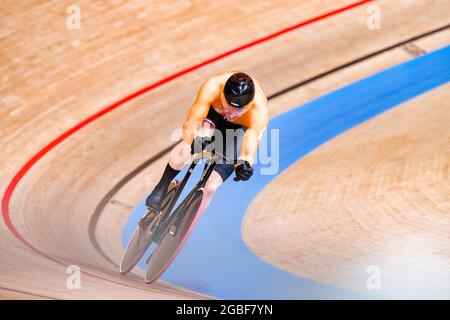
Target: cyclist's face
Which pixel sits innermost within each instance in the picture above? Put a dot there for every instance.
(232, 113)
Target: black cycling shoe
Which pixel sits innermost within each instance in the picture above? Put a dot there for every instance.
(155, 199)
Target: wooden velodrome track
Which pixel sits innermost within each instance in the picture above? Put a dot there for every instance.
(71, 205)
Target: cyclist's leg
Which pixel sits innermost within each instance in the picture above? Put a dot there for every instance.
(222, 171)
(213, 183)
(179, 157)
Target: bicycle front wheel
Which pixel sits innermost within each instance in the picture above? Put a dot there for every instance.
(139, 243)
(142, 236)
(174, 238)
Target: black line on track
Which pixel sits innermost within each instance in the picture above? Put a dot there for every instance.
(356, 61)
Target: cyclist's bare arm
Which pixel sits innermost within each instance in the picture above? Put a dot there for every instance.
(199, 109)
(259, 121)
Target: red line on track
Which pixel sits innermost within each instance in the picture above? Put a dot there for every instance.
(41, 153)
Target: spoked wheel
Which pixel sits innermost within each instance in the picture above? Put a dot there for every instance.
(178, 230)
(142, 236)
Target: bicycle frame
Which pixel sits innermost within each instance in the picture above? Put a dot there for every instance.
(209, 167)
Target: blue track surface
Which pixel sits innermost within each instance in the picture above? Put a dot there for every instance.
(215, 260)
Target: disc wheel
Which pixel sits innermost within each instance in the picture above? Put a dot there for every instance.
(174, 237)
(141, 239)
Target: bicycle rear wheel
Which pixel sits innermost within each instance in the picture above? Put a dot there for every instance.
(173, 239)
(141, 239)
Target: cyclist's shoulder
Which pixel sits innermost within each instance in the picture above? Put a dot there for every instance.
(210, 89)
(260, 110)
(219, 78)
(256, 117)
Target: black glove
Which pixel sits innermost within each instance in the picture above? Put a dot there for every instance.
(199, 144)
(243, 171)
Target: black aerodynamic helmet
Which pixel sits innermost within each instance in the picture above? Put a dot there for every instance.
(239, 90)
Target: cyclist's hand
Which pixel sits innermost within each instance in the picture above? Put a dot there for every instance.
(199, 143)
(243, 171)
